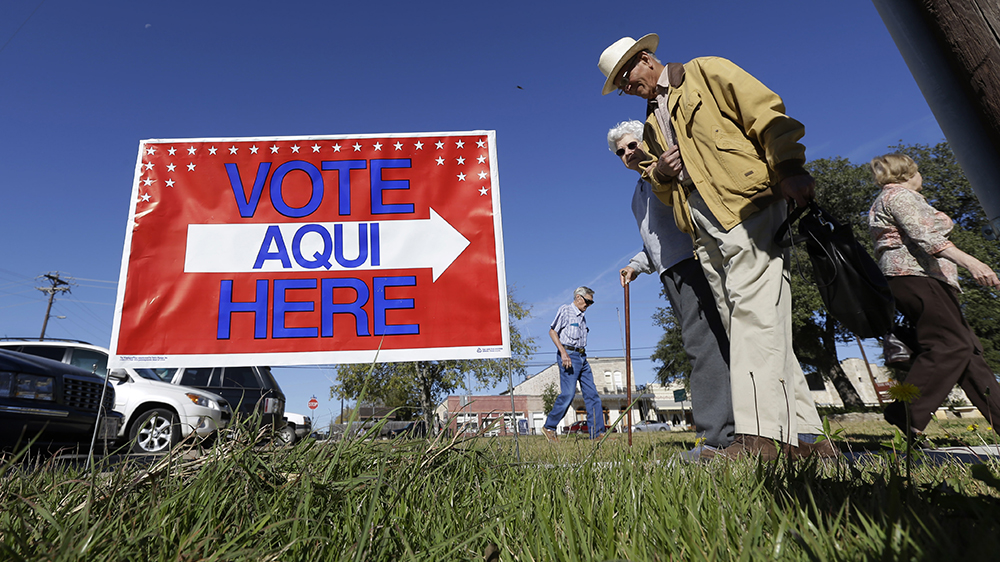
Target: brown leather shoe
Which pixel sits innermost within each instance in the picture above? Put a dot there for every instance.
(550, 435)
(746, 445)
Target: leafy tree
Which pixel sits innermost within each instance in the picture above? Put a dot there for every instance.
(847, 191)
(549, 395)
(669, 356)
(948, 190)
(419, 386)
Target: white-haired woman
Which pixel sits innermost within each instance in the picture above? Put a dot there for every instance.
(667, 252)
(914, 253)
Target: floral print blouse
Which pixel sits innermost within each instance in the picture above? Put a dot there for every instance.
(907, 232)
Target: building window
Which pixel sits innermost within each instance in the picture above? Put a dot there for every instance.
(467, 423)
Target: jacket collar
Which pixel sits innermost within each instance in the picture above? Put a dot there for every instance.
(671, 77)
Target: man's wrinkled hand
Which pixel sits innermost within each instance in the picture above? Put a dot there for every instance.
(801, 189)
(669, 163)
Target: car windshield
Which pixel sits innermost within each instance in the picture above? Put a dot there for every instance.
(161, 375)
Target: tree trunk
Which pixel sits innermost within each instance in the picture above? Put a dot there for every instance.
(426, 404)
(835, 373)
(966, 31)
(848, 394)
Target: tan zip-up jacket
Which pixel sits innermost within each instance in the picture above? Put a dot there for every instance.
(735, 140)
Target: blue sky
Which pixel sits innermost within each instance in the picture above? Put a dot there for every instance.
(84, 82)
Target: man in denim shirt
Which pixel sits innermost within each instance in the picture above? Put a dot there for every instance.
(569, 333)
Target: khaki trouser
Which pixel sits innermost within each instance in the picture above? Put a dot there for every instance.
(747, 272)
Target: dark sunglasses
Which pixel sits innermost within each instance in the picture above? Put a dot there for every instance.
(631, 146)
(586, 300)
(623, 81)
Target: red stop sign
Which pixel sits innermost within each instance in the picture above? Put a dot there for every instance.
(313, 404)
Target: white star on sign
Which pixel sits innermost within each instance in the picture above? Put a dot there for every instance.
(149, 165)
(295, 148)
(460, 144)
(481, 159)
(357, 147)
(419, 145)
(460, 160)
(151, 150)
(213, 150)
(439, 145)
(172, 151)
(274, 149)
(483, 191)
(316, 147)
(378, 146)
(398, 145)
(482, 175)
(481, 143)
(170, 167)
(146, 197)
(440, 161)
(336, 147)
(253, 150)
(170, 183)
(147, 182)
(232, 150)
(191, 167)
(191, 150)
(461, 177)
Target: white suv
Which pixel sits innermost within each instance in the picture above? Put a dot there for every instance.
(296, 427)
(157, 414)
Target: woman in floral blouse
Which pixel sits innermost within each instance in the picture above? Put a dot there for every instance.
(920, 263)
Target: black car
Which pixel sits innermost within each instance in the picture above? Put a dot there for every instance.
(58, 403)
(410, 430)
(250, 391)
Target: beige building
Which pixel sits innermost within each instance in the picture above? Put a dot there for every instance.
(957, 404)
(657, 402)
(609, 378)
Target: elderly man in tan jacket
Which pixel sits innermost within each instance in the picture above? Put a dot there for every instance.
(726, 157)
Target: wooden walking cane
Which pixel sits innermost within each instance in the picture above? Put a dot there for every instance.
(628, 367)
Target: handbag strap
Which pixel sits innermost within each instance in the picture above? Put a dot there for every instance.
(784, 237)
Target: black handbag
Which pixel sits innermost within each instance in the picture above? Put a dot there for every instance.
(853, 289)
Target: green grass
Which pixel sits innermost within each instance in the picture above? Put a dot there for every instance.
(457, 500)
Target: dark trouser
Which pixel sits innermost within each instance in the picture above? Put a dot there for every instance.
(707, 346)
(950, 353)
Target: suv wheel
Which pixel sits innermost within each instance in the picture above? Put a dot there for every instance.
(156, 431)
(287, 434)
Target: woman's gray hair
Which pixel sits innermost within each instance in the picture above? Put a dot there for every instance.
(632, 127)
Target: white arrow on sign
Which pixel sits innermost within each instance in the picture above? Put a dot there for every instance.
(328, 246)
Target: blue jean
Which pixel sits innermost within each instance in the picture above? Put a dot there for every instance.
(578, 372)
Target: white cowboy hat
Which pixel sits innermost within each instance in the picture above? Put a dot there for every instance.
(619, 53)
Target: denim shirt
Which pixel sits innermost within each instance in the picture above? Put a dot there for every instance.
(571, 325)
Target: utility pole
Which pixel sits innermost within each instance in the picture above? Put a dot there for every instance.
(56, 285)
(951, 48)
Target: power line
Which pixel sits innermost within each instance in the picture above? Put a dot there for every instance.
(22, 25)
(96, 280)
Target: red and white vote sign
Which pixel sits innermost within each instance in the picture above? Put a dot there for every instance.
(313, 250)
(313, 403)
